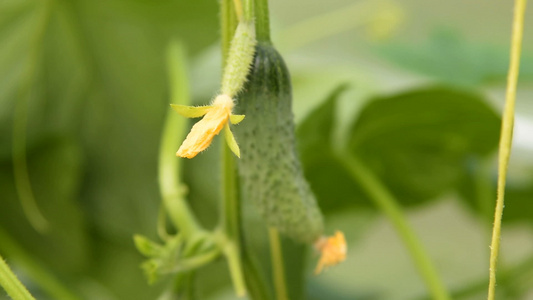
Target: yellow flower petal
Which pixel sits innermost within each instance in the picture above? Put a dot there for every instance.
(203, 132)
(333, 251)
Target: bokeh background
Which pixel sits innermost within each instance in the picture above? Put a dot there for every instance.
(83, 95)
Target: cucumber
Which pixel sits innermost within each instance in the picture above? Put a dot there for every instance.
(269, 169)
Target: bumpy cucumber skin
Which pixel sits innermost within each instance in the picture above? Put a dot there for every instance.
(269, 169)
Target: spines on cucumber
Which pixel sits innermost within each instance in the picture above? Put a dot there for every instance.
(270, 171)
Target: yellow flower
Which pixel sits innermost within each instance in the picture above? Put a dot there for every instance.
(216, 117)
(333, 251)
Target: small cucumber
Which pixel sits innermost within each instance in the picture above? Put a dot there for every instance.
(269, 169)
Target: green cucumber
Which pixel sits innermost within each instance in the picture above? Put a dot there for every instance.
(270, 170)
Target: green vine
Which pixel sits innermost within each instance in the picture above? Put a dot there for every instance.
(171, 190)
(506, 138)
(231, 207)
(385, 201)
(262, 21)
(276, 253)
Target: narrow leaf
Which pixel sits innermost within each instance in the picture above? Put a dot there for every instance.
(147, 247)
(191, 111)
(236, 119)
(232, 143)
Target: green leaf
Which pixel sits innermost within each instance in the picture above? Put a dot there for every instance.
(418, 142)
(518, 202)
(329, 180)
(450, 57)
(146, 246)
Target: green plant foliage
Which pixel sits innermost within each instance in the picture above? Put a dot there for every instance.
(87, 85)
(417, 142)
(56, 175)
(92, 74)
(449, 57)
(315, 142)
(480, 199)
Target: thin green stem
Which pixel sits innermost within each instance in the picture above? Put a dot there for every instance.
(243, 9)
(255, 280)
(506, 137)
(248, 8)
(231, 208)
(162, 223)
(262, 21)
(233, 256)
(13, 287)
(278, 269)
(197, 261)
(231, 221)
(384, 200)
(173, 133)
(229, 18)
(238, 9)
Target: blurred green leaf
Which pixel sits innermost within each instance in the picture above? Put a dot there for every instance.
(95, 74)
(447, 56)
(146, 246)
(97, 92)
(418, 142)
(518, 204)
(55, 171)
(478, 190)
(329, 180)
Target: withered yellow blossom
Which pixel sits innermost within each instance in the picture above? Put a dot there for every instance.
(333, 251)
(215, 118)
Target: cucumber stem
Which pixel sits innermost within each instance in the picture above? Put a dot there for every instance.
(228, 20)
(506, 139)
(262, 21)
(231, 208)
(173, 132)
(248, 10)
(384, 200)
(276, 254)
(244, 10)
(231, 220)
(238, 8)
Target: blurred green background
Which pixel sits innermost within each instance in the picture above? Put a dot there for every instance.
(84, 91)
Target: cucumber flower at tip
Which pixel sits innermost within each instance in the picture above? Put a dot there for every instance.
(332, 249)
(215, 118)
